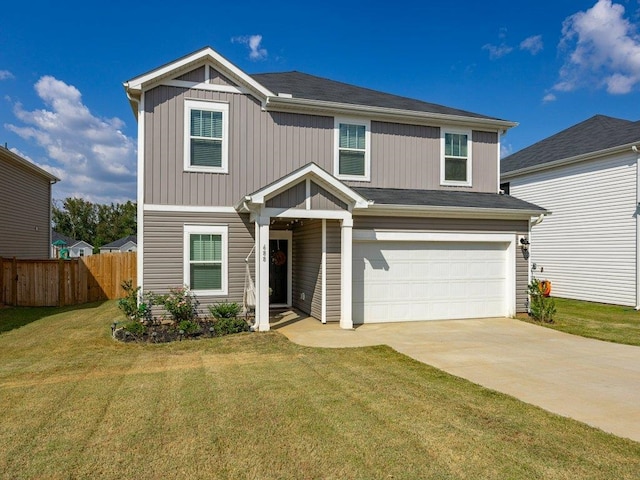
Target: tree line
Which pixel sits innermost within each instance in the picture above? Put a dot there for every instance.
(94, 223)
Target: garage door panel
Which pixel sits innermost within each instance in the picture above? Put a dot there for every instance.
(405, 281)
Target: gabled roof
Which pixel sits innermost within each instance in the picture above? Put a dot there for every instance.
(448, 200)
(597, 134)
(299, 91)
(303, 85)
(8, 155)
(56, 238)
(121, 241)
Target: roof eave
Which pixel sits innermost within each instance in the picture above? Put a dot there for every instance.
(568, 161)
(398, 115)
(451, 212)
(31, 166)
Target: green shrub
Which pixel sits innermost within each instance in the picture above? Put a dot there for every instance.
(180, 303)
(129, 304)
(189, 327)
(224, 310)
(541, 308)
(229, 325)
(135, 328)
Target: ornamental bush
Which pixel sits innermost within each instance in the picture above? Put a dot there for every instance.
(136, 311)
(180, 303)
(224, 310)
(541, 307)
(228, 326)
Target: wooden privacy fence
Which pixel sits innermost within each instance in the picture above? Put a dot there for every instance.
(40, 283)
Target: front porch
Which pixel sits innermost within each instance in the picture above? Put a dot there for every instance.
(303, 246)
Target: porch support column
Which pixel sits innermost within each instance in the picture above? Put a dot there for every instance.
(346, 268)
(262, 274)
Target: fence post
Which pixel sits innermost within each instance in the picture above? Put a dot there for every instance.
(61, 283)
(14, 282)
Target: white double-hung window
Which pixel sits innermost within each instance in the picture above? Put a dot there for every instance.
(352, 149)
(455, 164)
(206, 139)
(205, 259)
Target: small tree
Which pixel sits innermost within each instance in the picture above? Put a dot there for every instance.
(541, 307)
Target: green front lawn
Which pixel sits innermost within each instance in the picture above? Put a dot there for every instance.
(612, 323)
(77, 404)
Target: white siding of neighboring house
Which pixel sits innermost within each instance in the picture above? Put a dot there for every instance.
(587, 246)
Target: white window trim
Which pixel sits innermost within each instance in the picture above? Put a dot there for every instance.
(367, 145)
(468, 133)
(207, 230)
(213, 107)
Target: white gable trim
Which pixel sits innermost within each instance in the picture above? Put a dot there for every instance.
(201, 56)
(319, 176)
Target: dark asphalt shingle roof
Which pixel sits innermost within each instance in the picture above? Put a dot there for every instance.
(121, 241)
(597, 133)
(444, 198)
(303, 85)
(67, 240)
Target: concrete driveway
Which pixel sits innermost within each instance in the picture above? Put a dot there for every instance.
(595, 382)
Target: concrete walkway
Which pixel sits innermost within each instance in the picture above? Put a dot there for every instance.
(595, 382)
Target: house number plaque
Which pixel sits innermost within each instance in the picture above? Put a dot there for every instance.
(264, 253)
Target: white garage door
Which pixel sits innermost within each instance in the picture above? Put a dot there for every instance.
(404, 281)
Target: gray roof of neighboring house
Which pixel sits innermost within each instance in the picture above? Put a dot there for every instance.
(121, 241)
(55, 236)
(597, 133)
(303, 85)
(443, 198)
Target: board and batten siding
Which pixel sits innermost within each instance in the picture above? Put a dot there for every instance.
(423, 224)
(25, 199)
(163, 266)
(266, 146)
(587, 246)
(307, 267)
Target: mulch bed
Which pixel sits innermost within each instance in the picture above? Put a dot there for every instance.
(165, 332)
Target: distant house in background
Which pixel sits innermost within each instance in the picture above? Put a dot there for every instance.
(125, 244)
(25, 207)
(588, 176)
(67, 247)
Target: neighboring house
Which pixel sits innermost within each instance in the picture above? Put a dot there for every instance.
(25, 207)
(67, 247)
(588, 177)
(125, 244)
(349, 204)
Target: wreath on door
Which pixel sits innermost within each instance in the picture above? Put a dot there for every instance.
(279, 258)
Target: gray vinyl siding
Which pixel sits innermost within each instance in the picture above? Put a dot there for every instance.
(265, 146)
(323, 200)
(458, 225)
(163, 266)
(522, 277)
(24, 191)
(292, 198)
(196, 75)
(333, 270)
(307, 268)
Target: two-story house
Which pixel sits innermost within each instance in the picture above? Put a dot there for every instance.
(25, 207)
(349, 204)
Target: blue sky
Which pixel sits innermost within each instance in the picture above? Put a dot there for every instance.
(545, 64)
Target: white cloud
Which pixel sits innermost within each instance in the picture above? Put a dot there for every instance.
(603, 49)
(497, 51)
(6, 75)
(532, 44)
(549, 97)
(256, 51)
(506, 149)
(90, 154)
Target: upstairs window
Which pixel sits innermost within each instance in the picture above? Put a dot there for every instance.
(352, 156)
(455, 166)
(206, 136)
